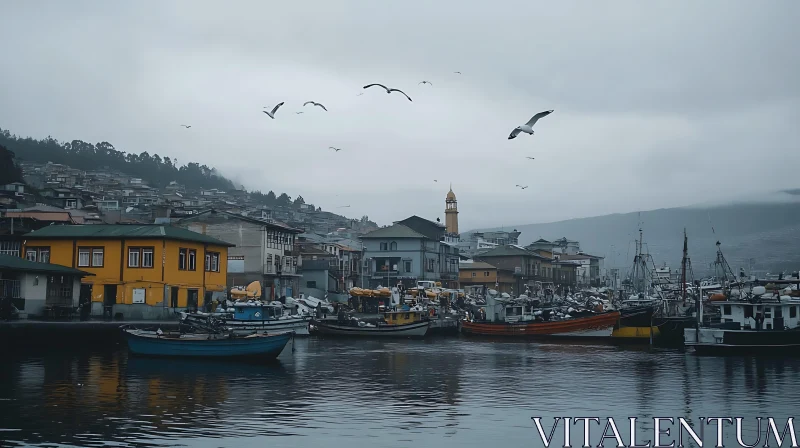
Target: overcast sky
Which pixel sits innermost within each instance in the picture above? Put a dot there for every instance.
(657, 104)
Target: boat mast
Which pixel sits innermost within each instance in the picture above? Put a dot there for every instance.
(683, 268)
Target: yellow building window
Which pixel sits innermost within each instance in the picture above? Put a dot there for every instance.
(212, 261)
(40, 254)
(140, 257)
(90, 257)
(187, 259)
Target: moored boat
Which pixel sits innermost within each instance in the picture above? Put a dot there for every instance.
(245, 318)
(257, 346)
(753, 325)
(396, 324)
(524, 317)
(598, 325)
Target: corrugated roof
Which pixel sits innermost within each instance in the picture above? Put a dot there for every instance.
(476, 265)
(394, 231)
(12, 263)
(128, 231)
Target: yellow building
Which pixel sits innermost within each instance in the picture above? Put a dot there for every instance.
(141, 271)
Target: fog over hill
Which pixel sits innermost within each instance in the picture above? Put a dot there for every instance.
(764, 229)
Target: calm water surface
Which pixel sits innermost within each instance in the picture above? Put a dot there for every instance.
(375, 394)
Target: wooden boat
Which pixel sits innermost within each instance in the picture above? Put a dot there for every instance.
(395, 324)
(590, 326)
(208, 345)
(635, 323)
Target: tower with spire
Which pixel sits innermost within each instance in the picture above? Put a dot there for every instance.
(451, 213)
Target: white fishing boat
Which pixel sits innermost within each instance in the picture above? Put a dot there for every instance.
(255, 317)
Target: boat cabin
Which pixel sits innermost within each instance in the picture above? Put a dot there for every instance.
(403, 317)
(257, 312)
(783, 315)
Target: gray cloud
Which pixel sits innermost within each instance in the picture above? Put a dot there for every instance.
(656, 104)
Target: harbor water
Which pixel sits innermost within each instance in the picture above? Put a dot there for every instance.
(357, 393)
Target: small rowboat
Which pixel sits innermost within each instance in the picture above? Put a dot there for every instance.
(206, 345)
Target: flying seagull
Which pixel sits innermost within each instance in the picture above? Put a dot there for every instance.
(529, 158)
(388, 90)
(298, 113)
(316, 104)
(520, 186)
(335, 149)
(186, 126)
(528, 127)
(457, 72)
(435, 180)
(425, 82)
(360, 94)
(275, 109)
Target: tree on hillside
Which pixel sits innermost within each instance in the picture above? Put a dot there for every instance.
(284, 199)
(299, 201)
(155, 170)
(9, 171)
(271, 198)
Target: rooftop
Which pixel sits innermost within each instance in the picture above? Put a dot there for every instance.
(510, 251)
(394, 231)
(12, 263)
(119, 231)
(475, 265)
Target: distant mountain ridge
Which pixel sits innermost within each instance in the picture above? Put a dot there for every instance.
(768, 233)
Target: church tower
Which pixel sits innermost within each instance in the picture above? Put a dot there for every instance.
(451, 212)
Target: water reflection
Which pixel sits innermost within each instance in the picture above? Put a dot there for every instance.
(380, 393)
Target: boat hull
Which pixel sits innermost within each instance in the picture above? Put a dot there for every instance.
(595, 326)
(256, 347)
(413, 330)
(243, 327)
(443, 327)
(724, 341)
(635, 325)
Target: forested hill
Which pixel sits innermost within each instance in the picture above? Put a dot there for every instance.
(153, 169)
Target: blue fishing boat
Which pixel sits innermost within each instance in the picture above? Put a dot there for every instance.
(258, 346)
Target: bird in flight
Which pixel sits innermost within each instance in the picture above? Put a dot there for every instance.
(186, 126)
(528, 127)
(335, 149)
(360, 94)
(388, 90)
(529, 158)
(343, 206)
(435, 180)
(298, 113)
(275, 109)
(457, 72)
(425, 82)
(520, 186)
(316, 104)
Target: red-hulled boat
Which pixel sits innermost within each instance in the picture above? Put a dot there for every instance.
(599, 325)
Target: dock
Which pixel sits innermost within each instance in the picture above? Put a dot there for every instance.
(29, 332)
